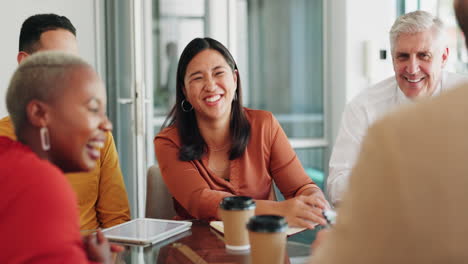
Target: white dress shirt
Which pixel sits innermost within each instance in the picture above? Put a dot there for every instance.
(366, 108)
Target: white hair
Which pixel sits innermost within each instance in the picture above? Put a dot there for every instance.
(41, 76)
(415, 22)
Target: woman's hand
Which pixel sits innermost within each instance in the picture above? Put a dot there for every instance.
(319, 198)
(98, 248)
(306, 209)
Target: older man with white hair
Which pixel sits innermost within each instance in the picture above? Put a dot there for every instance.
(419, 53)
(407, 199)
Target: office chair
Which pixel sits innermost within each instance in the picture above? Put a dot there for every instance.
(159, 202)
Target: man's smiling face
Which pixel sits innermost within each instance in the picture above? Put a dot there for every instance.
(418, 60)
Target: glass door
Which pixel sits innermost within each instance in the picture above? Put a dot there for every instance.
(175, 24)
(129, 70)
(286, 61)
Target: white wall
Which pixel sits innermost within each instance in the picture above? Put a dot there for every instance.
(13, 13)
(349, 25)
(218, 20)
(367, 20)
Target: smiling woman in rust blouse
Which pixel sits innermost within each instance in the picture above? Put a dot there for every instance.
(212, 147)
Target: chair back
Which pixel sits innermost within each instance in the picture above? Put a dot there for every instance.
(159, 202)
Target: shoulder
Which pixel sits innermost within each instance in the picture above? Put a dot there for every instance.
(374, 101)
(263, 124)
(6, 128)
(30, 170)
(109, 139)
(419, 143)
(6, 121)
(170, 133)
(451, 80)
(43, 170)
(108, 165)
(375, 94)
(109, 150)
(428, 119)
(16, 154)
(258, 117)
(43, 201)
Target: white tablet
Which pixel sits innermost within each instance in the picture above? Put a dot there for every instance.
(145, 230)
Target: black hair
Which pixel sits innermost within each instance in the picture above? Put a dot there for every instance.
(34, 26)
(193, 145)
(461, 13)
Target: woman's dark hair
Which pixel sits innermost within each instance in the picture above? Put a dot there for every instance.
(193, 145)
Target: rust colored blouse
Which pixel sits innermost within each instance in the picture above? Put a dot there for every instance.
(268, 156)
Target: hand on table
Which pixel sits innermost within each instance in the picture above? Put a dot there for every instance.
(319, 199)
(305, 210)
(98, 248)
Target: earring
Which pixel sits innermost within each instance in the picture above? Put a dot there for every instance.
(45, 142)
(184, 108)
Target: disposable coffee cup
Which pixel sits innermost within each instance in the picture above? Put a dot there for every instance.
(235, 211)
(267, 235)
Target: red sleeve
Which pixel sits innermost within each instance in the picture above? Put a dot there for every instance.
(285, 167)
(41, 223)
(185, 182)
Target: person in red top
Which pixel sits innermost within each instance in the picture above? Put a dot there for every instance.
(213, 147)
(57, 104)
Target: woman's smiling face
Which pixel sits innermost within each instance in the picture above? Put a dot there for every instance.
(210, 85)
(77, 121)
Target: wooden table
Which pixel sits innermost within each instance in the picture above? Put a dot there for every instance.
(201, 244)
